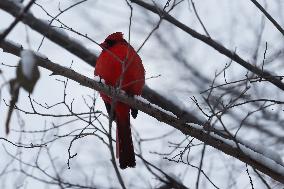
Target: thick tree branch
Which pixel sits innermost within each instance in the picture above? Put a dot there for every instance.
(214, 44)
(268, 16)
(242, 152)
(54, 35)
(82, 52)
(17, 19)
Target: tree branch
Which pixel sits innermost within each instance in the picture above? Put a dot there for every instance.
(214, 44)
(17, 19)
(82, 52)
(231, 147)
(268, 16)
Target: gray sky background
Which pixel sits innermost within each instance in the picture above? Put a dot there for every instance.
(233, 23)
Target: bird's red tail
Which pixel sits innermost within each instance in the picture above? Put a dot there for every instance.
(124, 144)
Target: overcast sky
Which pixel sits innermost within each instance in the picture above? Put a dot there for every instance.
(232, 23)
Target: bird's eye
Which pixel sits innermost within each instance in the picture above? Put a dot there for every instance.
(110, 42)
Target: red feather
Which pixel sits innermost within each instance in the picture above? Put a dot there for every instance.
(118, 64)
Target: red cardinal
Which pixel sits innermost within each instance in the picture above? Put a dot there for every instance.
(120, 66)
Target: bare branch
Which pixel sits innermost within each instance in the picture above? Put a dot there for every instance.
(198, 132)
(268, 16)
(17, 19)
(214, 44)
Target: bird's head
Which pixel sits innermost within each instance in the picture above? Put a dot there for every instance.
(112, 39)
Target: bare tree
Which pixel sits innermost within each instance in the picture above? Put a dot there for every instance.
(212, 107)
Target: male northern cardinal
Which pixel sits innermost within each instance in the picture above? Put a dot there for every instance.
(120, 66)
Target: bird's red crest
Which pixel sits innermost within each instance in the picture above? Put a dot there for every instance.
(117, 36)
(112, 39)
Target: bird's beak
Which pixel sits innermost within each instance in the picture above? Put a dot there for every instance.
(103, 45)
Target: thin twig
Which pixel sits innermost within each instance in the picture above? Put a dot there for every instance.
(270, 18)
(213, 43)
(17, 19)
(200, 21)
